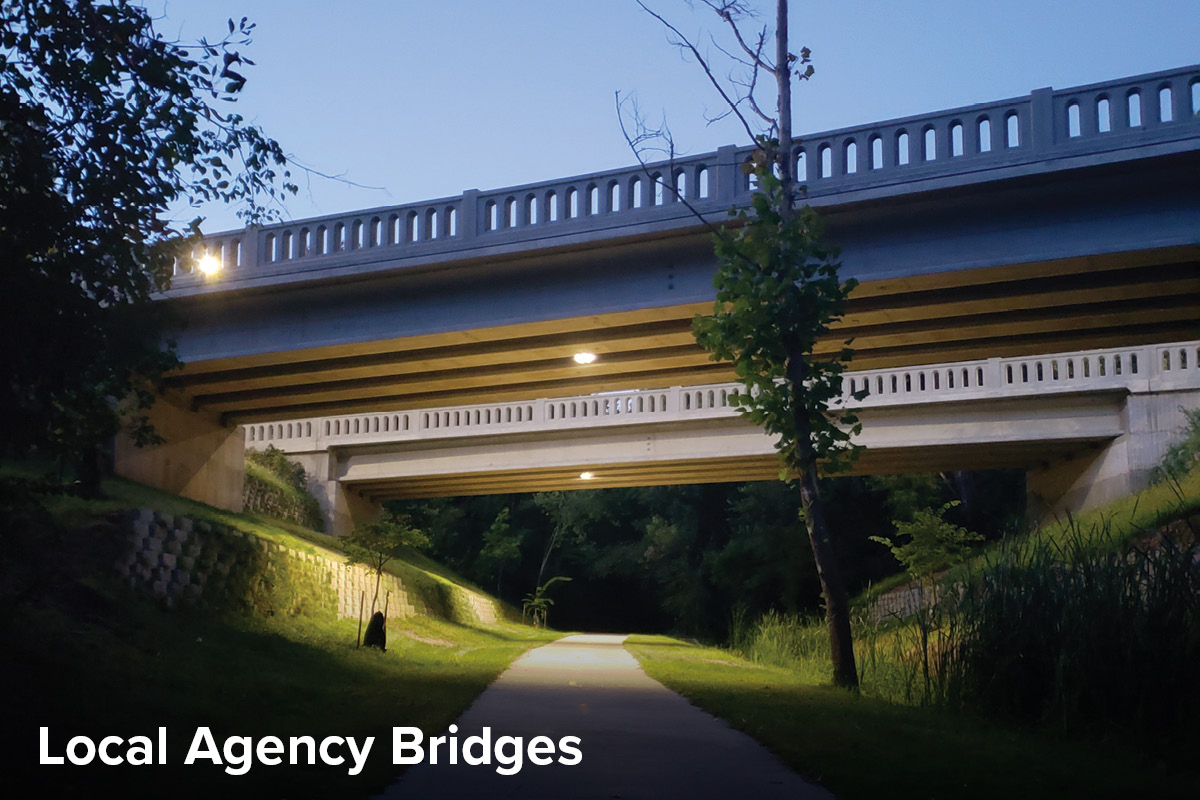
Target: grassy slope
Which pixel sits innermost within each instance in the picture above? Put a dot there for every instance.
(415, 569)
(864, 748)
(89, 657)
(1111, 525)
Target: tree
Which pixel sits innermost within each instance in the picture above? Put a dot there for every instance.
(933, 545)
(106, 129)
(537, 604)
(571, 514)
(501, 547)
(778, 293)
(376, 543)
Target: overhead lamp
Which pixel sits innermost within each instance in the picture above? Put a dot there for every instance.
(585, 358)
(209, 264)
(586, 476)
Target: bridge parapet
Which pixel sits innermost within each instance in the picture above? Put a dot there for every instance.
(1047, 129)
(1153, 368)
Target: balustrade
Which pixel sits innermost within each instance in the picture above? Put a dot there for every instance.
(1043, 125)
(1147, 368)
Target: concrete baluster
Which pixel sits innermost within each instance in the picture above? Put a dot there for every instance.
(993, 375)
(470, 215)
(1181, 96)
(724, 179)
(1035, 122)
(945, 144)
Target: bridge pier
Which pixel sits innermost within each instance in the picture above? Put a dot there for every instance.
(200, 458)
(342, 507)
(1092, 477)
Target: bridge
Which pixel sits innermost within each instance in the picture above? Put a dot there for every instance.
(1064, 221)
(1051, 415)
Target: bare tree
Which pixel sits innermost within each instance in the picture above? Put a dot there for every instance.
(778, 289)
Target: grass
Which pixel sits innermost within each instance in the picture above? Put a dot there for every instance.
(1109, 527)
(861, 747)
(135, 668)
(415, 569)
(84, 655)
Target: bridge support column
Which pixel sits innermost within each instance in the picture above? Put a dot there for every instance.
(342, 507)
(1091, 478)
(199, 459)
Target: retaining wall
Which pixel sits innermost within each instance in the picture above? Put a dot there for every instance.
(183, 561)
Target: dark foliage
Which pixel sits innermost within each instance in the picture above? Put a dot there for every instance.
(686, 559)
(106, 129)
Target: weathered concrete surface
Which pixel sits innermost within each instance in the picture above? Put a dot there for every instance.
(1151, 423)
(199, 458)
(639, 739)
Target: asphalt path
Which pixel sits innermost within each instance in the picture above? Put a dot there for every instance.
(638, 739)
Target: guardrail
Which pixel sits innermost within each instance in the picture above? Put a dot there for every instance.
(1161, 367)
(1044, 125)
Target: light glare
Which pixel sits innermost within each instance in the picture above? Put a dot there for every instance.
(586, 476)
(585, 358)
(209, 264)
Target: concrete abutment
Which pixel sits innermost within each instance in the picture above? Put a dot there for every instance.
(342, 507)
(199, 459)
(1152, 422)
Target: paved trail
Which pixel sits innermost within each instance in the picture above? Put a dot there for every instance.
(639, 739)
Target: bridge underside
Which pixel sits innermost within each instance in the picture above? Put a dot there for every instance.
(1066, 304)
(1009, 455)
(1022, 433)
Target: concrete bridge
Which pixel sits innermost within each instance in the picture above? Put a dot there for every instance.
(1063, 221)
(1088, 426)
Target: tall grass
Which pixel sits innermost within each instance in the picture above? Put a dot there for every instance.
(1058, 633)
(1077, 637)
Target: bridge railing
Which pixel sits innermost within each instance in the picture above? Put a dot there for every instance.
(1159, 367)
(1044, 125)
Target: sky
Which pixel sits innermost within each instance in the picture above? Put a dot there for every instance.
(421, 100)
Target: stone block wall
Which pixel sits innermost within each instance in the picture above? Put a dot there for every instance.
(184, 561)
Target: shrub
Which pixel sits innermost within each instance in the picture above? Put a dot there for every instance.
(1182, 457)
(278, 487)
(933, 543)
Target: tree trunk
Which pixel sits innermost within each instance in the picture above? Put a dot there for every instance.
(375, 599)
(88, 471)
(783, 82)
(837, 605)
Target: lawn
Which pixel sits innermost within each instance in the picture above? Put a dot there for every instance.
(860, 747)
(85, 655)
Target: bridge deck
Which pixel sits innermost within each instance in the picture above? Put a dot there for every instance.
(1046, 131)
(1068, 234)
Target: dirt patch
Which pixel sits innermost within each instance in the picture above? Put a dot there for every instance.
(427, 639)
(723, 662)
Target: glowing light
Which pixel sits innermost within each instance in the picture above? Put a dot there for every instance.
(586, 476)
(585, 358)
(209, 264)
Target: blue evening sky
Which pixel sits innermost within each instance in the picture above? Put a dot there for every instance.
(428, 98)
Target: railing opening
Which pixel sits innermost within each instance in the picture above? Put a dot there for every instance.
(1073, 128)
(1012, 133)
(985, 135)
(1133, 103)
(1165, 111)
